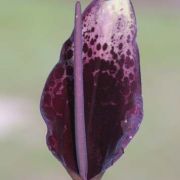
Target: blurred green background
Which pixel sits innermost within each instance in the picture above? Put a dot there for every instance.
(31, 35)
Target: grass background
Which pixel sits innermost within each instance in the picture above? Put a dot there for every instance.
(31, 35)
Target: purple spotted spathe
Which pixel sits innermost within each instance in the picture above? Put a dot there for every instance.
(112, 89)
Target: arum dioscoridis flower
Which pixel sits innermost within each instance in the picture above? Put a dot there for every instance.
(92, 101)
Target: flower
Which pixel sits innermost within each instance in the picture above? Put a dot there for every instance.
(111, 105)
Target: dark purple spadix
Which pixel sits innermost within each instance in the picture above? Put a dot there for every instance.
(92, 101)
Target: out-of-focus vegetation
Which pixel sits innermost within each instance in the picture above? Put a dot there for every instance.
(31, 34)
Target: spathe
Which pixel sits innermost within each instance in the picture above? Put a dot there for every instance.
(112, 91)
